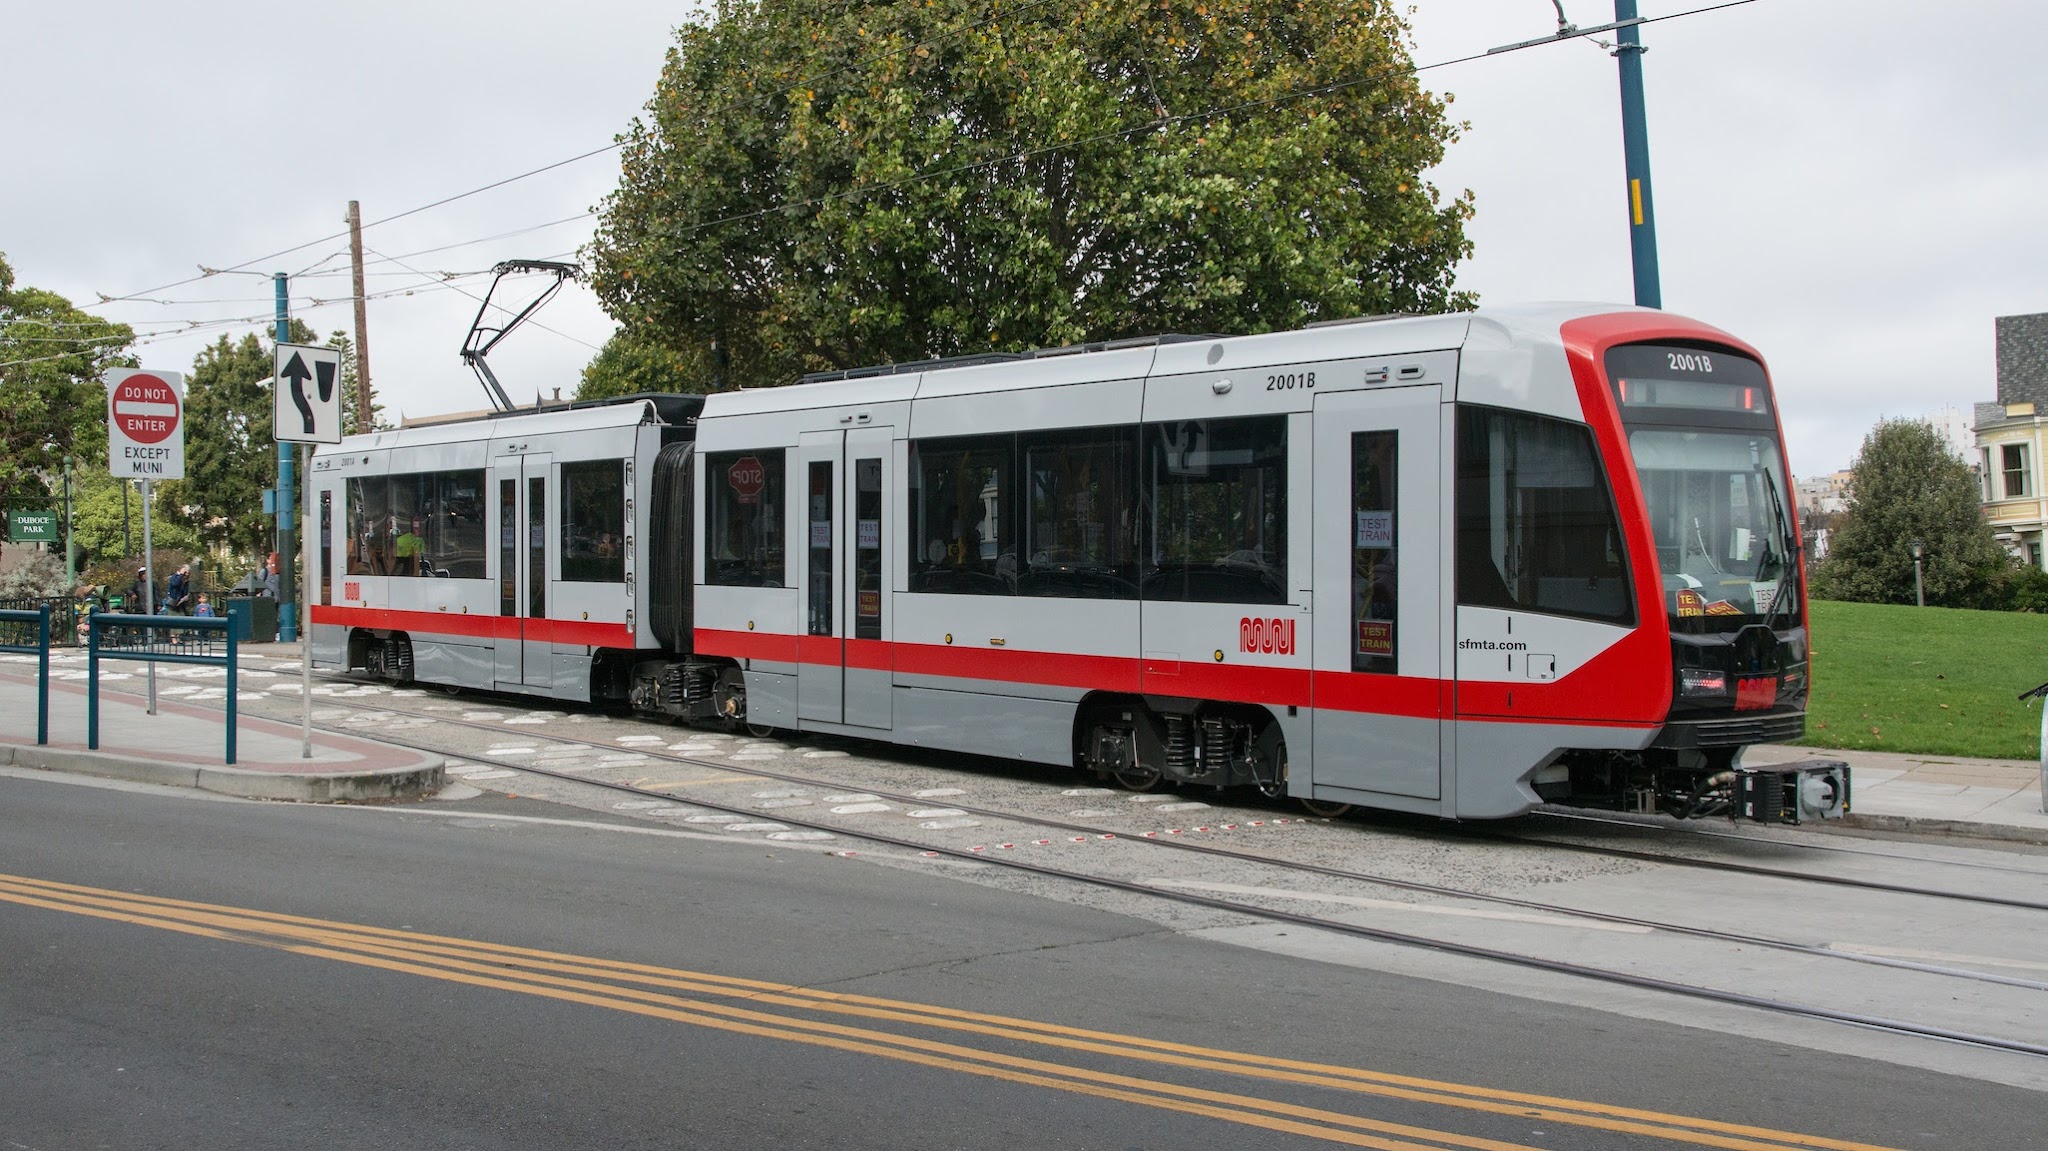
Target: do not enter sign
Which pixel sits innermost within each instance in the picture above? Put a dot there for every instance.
(145, 408)
(145, 424)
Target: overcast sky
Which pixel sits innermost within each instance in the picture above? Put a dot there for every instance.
(1855, 188)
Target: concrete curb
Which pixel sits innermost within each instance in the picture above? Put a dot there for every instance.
(401, 783)
(1961, 829)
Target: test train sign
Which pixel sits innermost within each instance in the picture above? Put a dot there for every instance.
(145, 424)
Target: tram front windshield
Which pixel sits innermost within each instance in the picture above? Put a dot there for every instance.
(1706, 451)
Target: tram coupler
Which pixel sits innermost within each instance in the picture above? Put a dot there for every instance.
(1798, 792)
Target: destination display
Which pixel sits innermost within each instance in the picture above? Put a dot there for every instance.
(1661, 376)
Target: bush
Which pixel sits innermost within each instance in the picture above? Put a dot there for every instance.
(39, 578)
(2027, 590)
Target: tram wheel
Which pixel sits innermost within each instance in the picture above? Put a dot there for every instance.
(1139, 778)
(729, 696)
(1324, 808)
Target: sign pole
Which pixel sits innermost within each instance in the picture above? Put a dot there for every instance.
(306, 598)
(146, 442)
(149, 590)
(287, 614)
(306, 410)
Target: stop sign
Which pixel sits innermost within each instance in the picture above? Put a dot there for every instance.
(747, 477)
(145, 408)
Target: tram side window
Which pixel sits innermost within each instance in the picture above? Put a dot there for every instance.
(1375, 474)
(1216, 510)
(369, 513)
(743, 512)
(594, 521)
(408, 528)
(1536, 523)
(1081, 523)
(456, 536)
(962, 533)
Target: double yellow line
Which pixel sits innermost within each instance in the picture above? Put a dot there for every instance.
(661, 992)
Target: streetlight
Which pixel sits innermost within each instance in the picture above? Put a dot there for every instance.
(1635, 137)
(1919, 593)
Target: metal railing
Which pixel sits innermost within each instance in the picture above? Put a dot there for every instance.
(2042, 692)
(65, 613)
(208, 641)
(16, 626)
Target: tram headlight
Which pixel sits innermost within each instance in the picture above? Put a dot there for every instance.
(1702, 681)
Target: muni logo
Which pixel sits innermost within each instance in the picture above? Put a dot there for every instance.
(1267, 636)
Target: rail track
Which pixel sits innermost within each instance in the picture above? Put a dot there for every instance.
(932, 847)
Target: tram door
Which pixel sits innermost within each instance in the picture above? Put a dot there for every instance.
(525, 649)
(844, 673)
(1379, 507)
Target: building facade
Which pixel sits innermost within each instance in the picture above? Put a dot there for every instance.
(2011, 434)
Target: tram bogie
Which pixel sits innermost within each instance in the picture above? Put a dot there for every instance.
(1456, 565)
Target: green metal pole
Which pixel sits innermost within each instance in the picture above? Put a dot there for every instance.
(1635, 146)
(287, 554)
(70, 558)
(234, 690)
(92, 684)
(43, 677)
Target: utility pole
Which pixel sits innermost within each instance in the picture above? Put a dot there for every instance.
(1635, 144)
(287, 568)
(355, 249)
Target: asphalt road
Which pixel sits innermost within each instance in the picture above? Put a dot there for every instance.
(189, 972)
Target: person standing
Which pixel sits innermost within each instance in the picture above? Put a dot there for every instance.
(139, 601)
(178, 592)
(270, 577)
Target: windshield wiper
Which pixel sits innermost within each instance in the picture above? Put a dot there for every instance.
(1788, 577)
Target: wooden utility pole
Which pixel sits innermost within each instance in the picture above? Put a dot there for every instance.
(355, 251)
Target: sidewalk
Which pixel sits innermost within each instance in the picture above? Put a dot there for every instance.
(1933, 794)
(184, 745)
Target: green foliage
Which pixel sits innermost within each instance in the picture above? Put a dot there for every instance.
(1934, 681)
(230, 455)
(631, 361)
(2027, 590)
(818, 184)
(39, 576)
(52, 403)
(96, 512)
(1908, 485)
(351, 421)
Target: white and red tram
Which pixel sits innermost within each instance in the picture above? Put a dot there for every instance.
(1456, 565)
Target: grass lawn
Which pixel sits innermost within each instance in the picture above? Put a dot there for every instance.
(1934, 680)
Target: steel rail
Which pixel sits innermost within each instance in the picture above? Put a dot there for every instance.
(1711, 934)
(1754, 869)
(1379, 935)
(1692, 830)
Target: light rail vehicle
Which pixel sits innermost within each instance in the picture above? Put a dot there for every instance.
(1457, 565)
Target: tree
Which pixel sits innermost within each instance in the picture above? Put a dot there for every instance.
(1906, 485)
(52, 403)
(632, 361)
(230, 452)
(820, 185)
(109, 531)
(351, 421)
